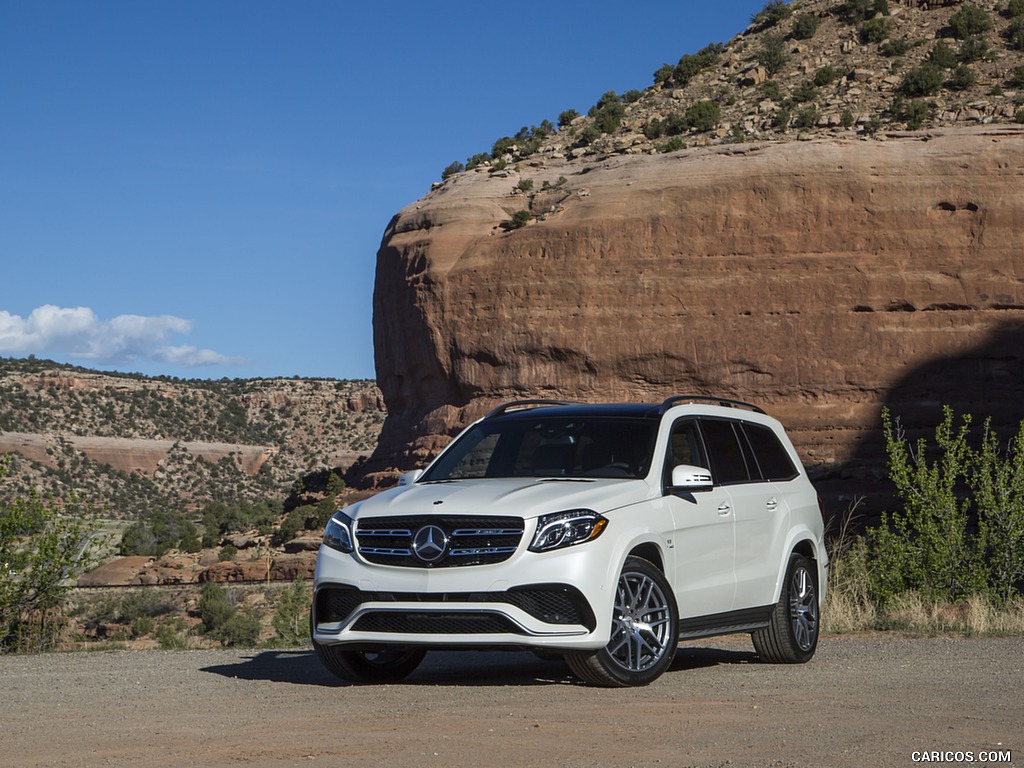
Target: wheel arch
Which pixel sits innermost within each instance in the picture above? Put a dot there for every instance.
(649, 551)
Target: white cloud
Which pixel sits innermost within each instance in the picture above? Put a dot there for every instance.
(78, 332)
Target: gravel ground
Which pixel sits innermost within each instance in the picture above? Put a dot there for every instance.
(869, 700)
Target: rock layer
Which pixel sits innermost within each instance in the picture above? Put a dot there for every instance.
(820, 280)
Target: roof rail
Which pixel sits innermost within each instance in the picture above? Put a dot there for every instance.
(705, 399)
(517, 404)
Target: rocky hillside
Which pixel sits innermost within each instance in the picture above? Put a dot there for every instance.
(129, 443)
(802, 69)
(865, 265)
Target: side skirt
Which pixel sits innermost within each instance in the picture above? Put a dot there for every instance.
(746, 620)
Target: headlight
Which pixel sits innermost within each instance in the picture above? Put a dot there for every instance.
(564, 529)
(338, 534)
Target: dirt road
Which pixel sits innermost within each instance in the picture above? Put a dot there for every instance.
(864, 701)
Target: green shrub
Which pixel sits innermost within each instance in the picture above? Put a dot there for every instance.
(770, 90)
(924, 547)
(913, 112)
(973, 49)
(214, 607)
(1017, 78)
(941, 55)
(963, 77)
(846, 120)
(781, 119)
(170, 635)
(773, 12)
(1019, 116)
(1015, 34)
(291, 615)
(805, 92)
(524, 185)
(925, 80)
(969, 20)
(703, 116)
(873, 30)
(519, 219)
(654, 129)
(1015, 8)
(772, 54)
(855, 11)
(672, 145)
(566, 117)
(691, 64)
(242, 629)
(998, 485)
(608, 112)
(664, 73)
(805, 26)
(452, 169)
(891, 48)
(826, 76)
(160, 531)
(477, 160)
(806, 118)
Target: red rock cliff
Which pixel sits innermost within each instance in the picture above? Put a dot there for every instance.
(818, 279)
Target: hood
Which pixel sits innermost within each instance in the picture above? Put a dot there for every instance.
(524, 497)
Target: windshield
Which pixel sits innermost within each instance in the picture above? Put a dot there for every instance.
(550, 447)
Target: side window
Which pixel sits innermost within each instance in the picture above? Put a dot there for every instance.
(684, 447)
(771, 455)
(728, 464)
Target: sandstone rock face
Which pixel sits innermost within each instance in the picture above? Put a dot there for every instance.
(819, 279)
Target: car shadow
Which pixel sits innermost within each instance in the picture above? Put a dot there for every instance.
(453, 668)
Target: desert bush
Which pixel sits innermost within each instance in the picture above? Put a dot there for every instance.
(170, 634)
(925, 80)
(873, 30)
(961, 528)
(525, 185)
(159, 531)
(806, 118)
(452, 169)
(962, 78)
(969, 20)
(941, 55)
(291, 615)
(891, 48)
(608, 112)
(1015, 8)
(846, 120)
(703, 116)
(565, 118)
(691, 64)
(805, 26)
(773, 12)
(772, 54)
(1015, 34)
(825, 76)
(519, 219)
(855, 11)
(805, 92)
(41, 552)
(973, 49)
(1016, 79)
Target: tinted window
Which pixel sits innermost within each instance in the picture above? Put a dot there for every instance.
(685, 447)
(550, 447)
(726, 454)
(771, 455)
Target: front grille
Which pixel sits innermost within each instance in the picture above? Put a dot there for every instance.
(437, 623)
(550, 603)
(469, 540)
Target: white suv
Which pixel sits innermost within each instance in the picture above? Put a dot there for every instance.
(601, 533)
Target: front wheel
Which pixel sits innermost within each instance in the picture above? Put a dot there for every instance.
(388, 665)
(792, 635)
(645, 631)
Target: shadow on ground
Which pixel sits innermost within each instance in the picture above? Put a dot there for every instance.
(454, 668)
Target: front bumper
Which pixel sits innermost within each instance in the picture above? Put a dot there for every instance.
(555, 600)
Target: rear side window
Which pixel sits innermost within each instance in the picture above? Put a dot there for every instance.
(722, 442)
(771, 455)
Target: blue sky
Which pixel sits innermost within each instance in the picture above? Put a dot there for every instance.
(198, 189)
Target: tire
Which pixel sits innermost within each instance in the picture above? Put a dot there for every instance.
(388, 665)
(792, 635)
(645, 631)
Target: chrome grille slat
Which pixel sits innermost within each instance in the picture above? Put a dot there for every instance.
(471, 539)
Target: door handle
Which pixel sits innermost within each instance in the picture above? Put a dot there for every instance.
(724, 508)
(772, 503)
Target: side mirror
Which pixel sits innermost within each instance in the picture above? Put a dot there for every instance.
(408, 478)
(686, 477)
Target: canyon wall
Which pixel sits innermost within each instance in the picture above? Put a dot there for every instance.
(819, 279)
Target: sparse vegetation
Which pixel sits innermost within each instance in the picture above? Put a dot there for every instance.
(969, 20)
(925, 80)
(772, 55)
(805, 26)
(773, 12)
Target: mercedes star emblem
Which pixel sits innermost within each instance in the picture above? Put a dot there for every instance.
(429, 543)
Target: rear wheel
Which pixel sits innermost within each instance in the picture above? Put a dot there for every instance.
(645, 631)
(792, 635)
